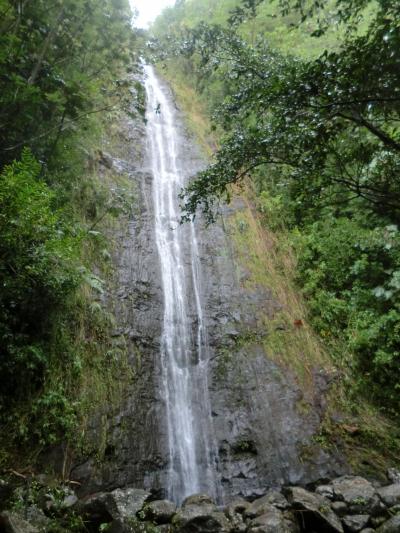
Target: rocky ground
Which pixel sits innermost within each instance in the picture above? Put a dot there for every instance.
(345, 504)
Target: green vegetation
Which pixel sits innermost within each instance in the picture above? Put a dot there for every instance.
(310, 115)
(64, 79)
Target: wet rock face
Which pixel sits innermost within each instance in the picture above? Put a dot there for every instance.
(259, 431)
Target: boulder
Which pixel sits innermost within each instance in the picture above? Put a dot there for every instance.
(118, 504)
(355, 522)
(271, 498)
(12, 523)
(390, 526)
(200, 518)
(325, 490)
(272, 521)
(238, 506)
(315, 511)
(237, 523)
(358, 493)
(130, 525)
(393, 475)
(125, 503)
(197, 499)
(340, 508)
(95, 507)
(159, 511)
(390, 495)
(36, 517)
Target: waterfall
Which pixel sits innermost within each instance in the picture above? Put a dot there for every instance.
(184, 353)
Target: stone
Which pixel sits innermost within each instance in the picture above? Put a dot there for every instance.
(238, 506)
(126, 525)
(272, 521)
(390, 526)
(197, 499)
(318, 514)
(325, 490)
(390, 495)
(237, 523)
(356, 522)
(358, 493)
(204, 518)
(125, 503)
(118, 504)
(257, 508)
(94, 508)
(159, 511)
(368, 530)
(393, 475)
(36, 517)
(340, 508)
(12, 523)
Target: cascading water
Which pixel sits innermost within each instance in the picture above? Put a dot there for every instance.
(184, 348)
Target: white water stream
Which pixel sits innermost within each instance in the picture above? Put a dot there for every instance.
(184, 351)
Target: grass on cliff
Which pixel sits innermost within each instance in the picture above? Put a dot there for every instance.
(350, 425)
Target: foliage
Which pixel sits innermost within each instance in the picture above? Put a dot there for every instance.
(65, 71)
(319, 136)
(350, 275)
(38, 272)
(57, 66)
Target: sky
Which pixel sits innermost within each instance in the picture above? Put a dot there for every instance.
(148, 10)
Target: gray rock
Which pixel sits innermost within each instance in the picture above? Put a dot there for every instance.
(358, 493)
(197, 499)
(36, 517)
(258, 507)
(393, 475)
(125, 503)
(95, 507)
(237, 523)
(118, 504)
(272, 521)
(238, 506)
(368, 530)
(12, 523)
(275, 498)
(340, 508)
(390, 495)
(390, 526)
(160, 511)
(130, 525)
(204, 518)
(355, 523)
(318, 514)
(325, 490)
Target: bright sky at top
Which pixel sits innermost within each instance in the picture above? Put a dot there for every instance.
(149, 10)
